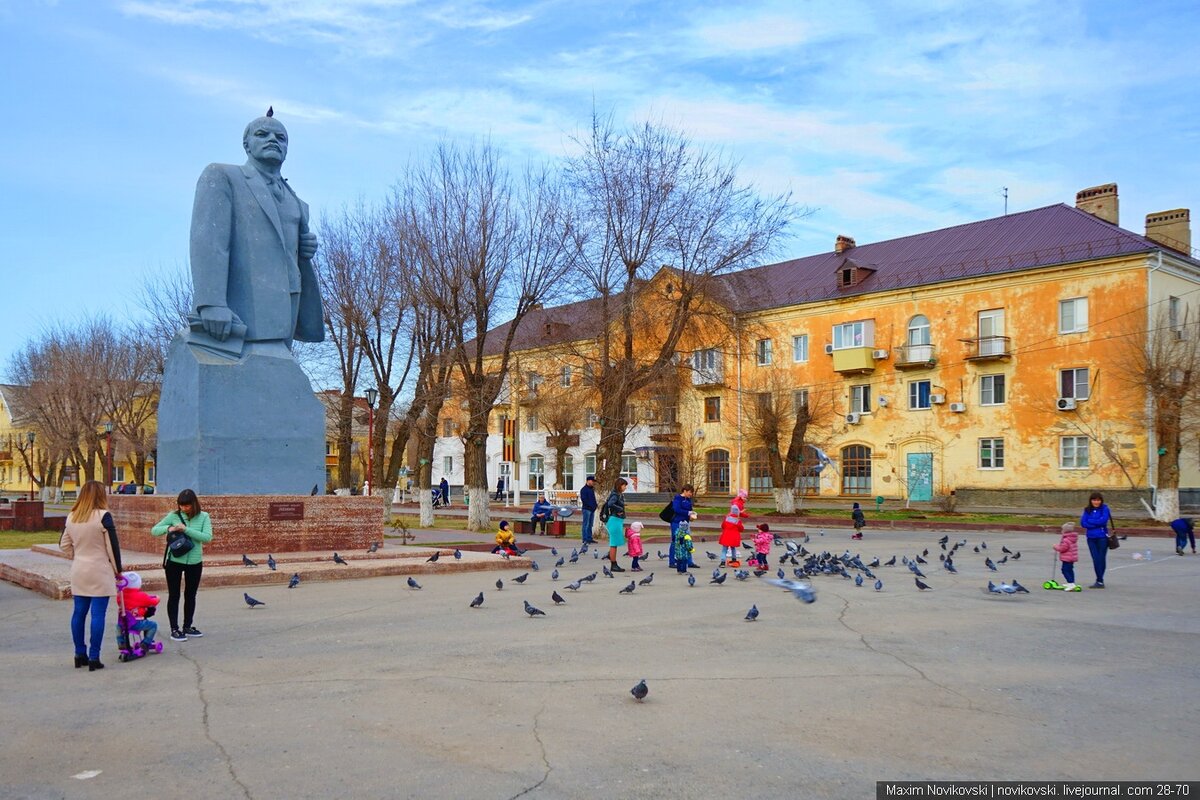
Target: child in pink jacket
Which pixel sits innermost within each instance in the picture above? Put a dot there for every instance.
(1068, 553)
(762, 544)
(634, 540)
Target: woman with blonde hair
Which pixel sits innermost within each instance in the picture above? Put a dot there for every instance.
(90, 541)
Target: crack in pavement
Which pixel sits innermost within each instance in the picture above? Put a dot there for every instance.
(971, 706)
(208, 731)
(538, 738)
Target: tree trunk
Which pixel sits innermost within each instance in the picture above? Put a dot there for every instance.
(1166, 503)
(423, 481)
(475, 489)
(612, 440)
(785, 501)
(345, 440)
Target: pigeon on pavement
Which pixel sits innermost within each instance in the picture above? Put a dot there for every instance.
(374, 546)
(890, 563)
(457, 554)
(691, 579)
(499, 583)
(800, 589)
(606, 572)
(294, 581)
(720, 579)
(250, 601)
(412, 583)
(246, 561)
(752, 614)
(533, 565)
(629, 589)
(640, 691)
(557, 598)
(990, 565)
(524, 576)
(433, 558)
(646, 581)
(339, 560)
(574, 585)
(533, 611)
(858, 580)
(920, 585)
(554, 575)
(478, 601)
(271, 561)
(879, 586)
(1020, 589)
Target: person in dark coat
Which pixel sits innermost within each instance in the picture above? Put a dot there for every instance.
(587, 501)
(1095, 520)
(444, 486)
(681, 509)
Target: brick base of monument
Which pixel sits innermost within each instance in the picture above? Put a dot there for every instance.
(258, 523)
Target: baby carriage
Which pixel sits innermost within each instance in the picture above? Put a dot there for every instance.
(130, 640)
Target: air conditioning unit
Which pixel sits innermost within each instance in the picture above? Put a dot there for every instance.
(958, 408)
(879, 355)
(828, 349)
(853, 418)
(1066, 404)
(937, 399)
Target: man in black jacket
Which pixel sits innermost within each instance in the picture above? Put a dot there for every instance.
(587, 500)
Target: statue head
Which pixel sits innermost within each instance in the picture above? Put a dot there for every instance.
(266, 140)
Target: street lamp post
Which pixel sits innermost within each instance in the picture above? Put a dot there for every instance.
(372, 396)
(108, 431)
(29, 437)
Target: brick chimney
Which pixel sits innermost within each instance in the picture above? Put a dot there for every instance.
(843, 244)
(1171, 228)
(1100, 201)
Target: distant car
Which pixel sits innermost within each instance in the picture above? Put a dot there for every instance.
(132, 488)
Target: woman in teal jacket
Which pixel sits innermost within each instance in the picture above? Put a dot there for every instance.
(188, 519)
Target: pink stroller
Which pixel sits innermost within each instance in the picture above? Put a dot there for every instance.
(131, 641)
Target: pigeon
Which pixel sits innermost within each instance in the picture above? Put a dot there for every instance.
(589, 578)
(921, 560)
(858, 581)
(1004, 549)
(313, 493)
(246, 561)
(741, 574)
(294, 581)
(1020, 589)
(499, 584)
(920, 585)
(925, 552)
(800, 589)
(994, 589)
(574, 586)
(976, 548)
(752, 614)
(661, 556)
(339, 560)
(990, 565)
(478, 601)
(524, 576)
(412, 583)
(944, 539)
(646, 581)
(457, 554)
(574, 558)
(720, 578)
(983, 545)
(874, 563)
(554, 575)
(904, 560)
(1003, 560)
(374, 546)
(553, 551)
(640, 691)
(533, 611)
(596, 555)
(917, 572)
(433, 558)
(879, 586)
(561, 561)
(711, 555)
(250, 601)
(557, 598)
(949, 565)
(691, 579)
(271, 562)
(533, 565)
(582, 550)
(1016, 555)
(606, 572)
(890, 563)
(779, 573)
(629, 589)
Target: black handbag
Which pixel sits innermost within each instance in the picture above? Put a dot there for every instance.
(179, 543)
(1113, 541)
(668, 512)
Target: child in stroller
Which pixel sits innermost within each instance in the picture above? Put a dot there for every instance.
(135, 629)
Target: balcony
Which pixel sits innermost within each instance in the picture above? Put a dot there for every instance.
(916, 356)
(988, 348)
(853, 360)
(711, 376)
(663, 431)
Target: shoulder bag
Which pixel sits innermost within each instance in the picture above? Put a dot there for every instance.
(668, 512)
(1113, 541)
(179, 543)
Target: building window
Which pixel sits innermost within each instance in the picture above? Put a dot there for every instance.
(535, 382)
(991, 390)
(629, 469)
(860, 398)
(564, 377)
(1073, 315)
(501, 421)
(712, 409)
(568, 471)
(856, 470)
(531, 422)
(762, 351)
(1174, 314)
(800, 402)
(918, 395)
(447, 427)
(716, 463)
(589, 417)
(630, 415)
(589, 463)
(918, 331)
(991, 454)
(991, 332)
(1073, 383)
(760, 471)
(800, 348)
(852, 334)
(447, 465)
(151, 475)
(537, 472)
(1073, 452)
(589, 375)
(763, 404)
(118, 474)
(706, 360)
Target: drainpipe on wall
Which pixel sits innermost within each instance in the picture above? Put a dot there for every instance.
(738, 329)
(1151, 443)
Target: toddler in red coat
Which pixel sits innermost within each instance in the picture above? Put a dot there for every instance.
(731, 530)
(141, 606)
(633, 538)
(1068, 553)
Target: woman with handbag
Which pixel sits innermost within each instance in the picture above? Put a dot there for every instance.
(90, 541)
(186, 529)
(613, 514)
(1095, 520)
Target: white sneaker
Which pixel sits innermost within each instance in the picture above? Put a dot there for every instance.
(1070, 587)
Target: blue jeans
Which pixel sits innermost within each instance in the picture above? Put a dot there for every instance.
(671, 552)
(589, 516)
(1098, 546)
(1068, 569)
(98, 606)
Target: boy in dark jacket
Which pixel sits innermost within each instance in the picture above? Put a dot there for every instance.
(860, 521)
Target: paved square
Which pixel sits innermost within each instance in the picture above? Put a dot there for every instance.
(370, 689)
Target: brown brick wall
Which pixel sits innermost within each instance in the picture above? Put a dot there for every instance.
(240, 523)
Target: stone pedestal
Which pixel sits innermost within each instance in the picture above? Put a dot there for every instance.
(244, 524)
(250, 425)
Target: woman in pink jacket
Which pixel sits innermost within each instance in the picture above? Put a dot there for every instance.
(1068, 553)
(634, 540)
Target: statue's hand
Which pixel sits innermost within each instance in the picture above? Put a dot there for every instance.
(308, 245)
(217, 321)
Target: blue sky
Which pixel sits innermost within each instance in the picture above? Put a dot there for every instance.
(885, 118)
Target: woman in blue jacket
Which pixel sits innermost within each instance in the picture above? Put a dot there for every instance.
(1094, 521)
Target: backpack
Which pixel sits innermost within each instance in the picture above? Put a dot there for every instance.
(668, 512)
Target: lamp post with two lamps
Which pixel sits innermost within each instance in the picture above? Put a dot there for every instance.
(372, 396)
(29, 437)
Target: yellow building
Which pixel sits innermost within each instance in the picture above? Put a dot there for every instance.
(991, 360)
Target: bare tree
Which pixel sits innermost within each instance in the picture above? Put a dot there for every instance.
(790, 423)
(129, 384)
(649, 197)
(165, 298)
(488, 247)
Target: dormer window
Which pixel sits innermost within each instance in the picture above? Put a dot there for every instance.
(847, 277)
(852, 273)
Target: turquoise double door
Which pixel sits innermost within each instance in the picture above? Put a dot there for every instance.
(920, 477)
